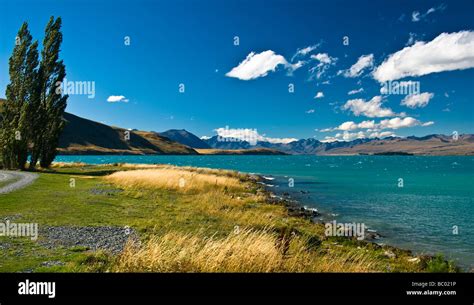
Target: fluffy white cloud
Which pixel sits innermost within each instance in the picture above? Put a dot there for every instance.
(249, 135)
(371, 126)
(320, 94)
(447, 52)
(355, 91)
(257, 65)
(371, 109)
(323, 58)
(324, 62)
(117, 99)
(397, 123)
(364, 62)
(350, 125)
(417, 100)
(382, 134)
(347, 126)
(310, 111)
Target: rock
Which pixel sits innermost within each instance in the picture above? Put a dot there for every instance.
(389, 254)
(414, 260)
(52, 263)
(372, 236)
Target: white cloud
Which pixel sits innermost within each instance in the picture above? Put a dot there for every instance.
(367, 125)
(249, 135)
(411, 39)
(117, 99)
(355, 91)
(323, 58)
(347, 126)
(279, 140)
(296, 66)
(397, 123)
(304, 51)
(350, 125)
(417, 100)
(364, 62)
(447, 52)
(205, 137)
(325, 61)
(310, 111)
(320, 94)
(417, 16)
(257, 65)
(382, 134)
(350, 136)
(370, 125)
(371, 109)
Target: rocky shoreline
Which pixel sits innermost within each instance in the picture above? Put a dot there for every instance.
(298, 209)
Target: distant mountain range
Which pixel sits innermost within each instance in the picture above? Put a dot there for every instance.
(83, 136)
(427, 145)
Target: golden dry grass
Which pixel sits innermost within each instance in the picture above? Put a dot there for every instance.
(244, 251)
(172, 178)
(67, 164)
(201, 170)
(136, 165)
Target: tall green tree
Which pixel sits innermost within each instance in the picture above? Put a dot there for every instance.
(52, 102)
(20, 95)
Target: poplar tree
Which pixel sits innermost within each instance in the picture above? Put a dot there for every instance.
(20, 95)
(52, 102)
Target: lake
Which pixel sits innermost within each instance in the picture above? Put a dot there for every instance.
(422, 203)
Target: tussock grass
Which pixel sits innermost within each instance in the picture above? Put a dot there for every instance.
(200, 170)
(171, 178)
(244, 251)
(68, 164)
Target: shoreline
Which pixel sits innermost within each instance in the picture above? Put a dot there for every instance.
(298, 208)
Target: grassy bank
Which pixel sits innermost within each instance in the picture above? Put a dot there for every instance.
(186, 220)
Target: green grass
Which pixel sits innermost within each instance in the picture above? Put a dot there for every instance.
(51, 201)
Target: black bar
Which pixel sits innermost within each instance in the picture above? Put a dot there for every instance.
(259, 285)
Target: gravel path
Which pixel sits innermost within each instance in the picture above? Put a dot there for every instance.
(22, 179)
(111, 239)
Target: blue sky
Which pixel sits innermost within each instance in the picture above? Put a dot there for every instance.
(193, 43)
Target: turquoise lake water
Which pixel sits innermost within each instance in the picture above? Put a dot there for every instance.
(437, 193)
